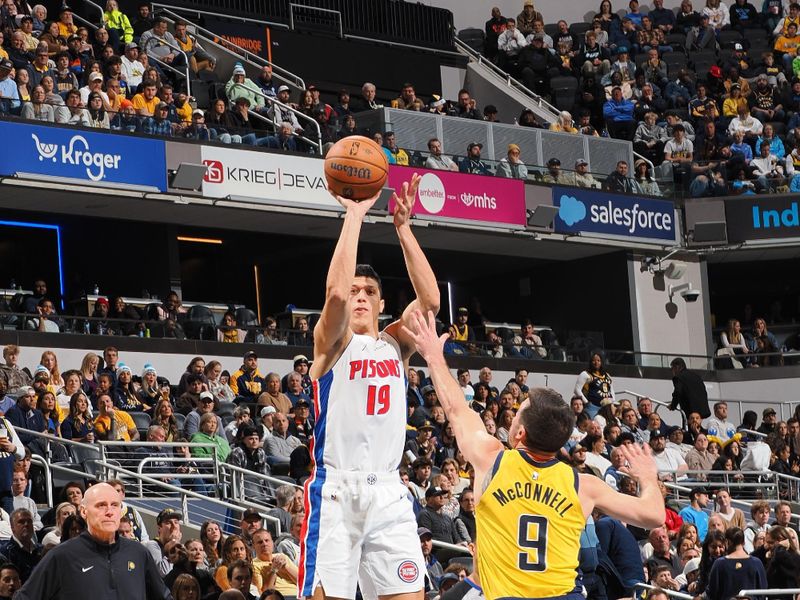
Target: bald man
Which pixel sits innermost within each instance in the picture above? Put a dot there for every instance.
(98, 563)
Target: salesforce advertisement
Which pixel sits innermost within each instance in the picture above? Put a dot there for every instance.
(607, 214)
(82, 154)
(469, 198)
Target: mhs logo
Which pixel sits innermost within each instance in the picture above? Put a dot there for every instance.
(77, 153)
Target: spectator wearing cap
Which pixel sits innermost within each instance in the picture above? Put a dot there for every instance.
(272, 395)
(422, 446)
(490, 113)
(670, 463)
(197, 130)
(300, 366)
(582, 177)
(437, 160)
(434, 569)
(247, 383)
(472, 163)
(460, 331)
(555, 175)
(301, 425)
(241, 86)
(512, 166)
(159, 124)
(9, 94)
(249, 454)
(763, 102)
(78, 55)
(769, 421)
(432, 517)
(205, 405)
(132, 67)
(695, 511)
(169, 535)
(281, 443)
(527, 17)
(266, 420)
(280, 113)
(420, 478)
(66, 27)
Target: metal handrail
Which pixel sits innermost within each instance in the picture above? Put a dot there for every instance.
(185, 494)
(233, 468)
(451, 547)
(161, 62)
(278, 71)
(510, 81)
(99, 9)
(770, 592)
(755, 433)
(296, 112)
(670, 593)
(292, 6)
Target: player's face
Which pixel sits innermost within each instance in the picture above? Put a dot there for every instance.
(517, 434)
(365, 303)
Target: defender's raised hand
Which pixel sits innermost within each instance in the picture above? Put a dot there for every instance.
(404, 201)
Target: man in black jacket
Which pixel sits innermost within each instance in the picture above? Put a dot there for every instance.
(689, 391)
(98, 563)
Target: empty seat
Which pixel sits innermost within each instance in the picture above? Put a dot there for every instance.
(675, 61)
(563, 92)
(779, 127)
(473, 37)
(727, 38)
(246, 317)
(676, 40)
(142, 422)
(200, 323)
(579, 29)
(551, 29)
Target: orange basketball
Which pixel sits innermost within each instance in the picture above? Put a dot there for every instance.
(356, 168)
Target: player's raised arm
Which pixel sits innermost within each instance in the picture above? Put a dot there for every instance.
(332, 330)
(646, 510)
(478, 447)
(419, 269)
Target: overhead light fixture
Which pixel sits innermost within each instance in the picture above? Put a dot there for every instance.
(542, 216)
(709, 232)
(188, 176)
(197, 240)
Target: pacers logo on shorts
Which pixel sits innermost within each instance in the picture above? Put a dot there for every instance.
(408, 571)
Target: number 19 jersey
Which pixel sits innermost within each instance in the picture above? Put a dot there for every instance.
(529, 522)
(360, 406)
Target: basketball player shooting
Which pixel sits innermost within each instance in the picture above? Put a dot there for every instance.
(359, 524)
(530, 507)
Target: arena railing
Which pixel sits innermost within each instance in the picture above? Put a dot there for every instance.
(208, 37)
(380, 20)
(768, 484)
(451, 547)
(770, 592)
(670, 593)
(170, 492)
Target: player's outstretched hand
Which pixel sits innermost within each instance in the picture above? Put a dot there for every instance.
(404, 201)
(423, 332)
(358, 207)
(640, 463)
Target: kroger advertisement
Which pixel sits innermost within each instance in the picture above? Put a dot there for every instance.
(585, 211)
(460, 197)
(266, 177)
(82, 155)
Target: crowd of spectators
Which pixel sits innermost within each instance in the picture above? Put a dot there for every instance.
(261, 422)
(712, 94)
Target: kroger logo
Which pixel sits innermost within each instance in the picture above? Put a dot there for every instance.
(77, 153)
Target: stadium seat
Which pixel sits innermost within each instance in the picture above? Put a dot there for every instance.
(778, 127)
(246, 317)
(729, 37)
(551, 29)
(703, 61)
(579, 29)
(80, 454)
(473, 37)
(675, 61)
(200, 323)
(180, 419)
(142, 421)
(677, 41)
(563, 92)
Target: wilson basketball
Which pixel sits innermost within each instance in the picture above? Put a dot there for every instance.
(356, 168)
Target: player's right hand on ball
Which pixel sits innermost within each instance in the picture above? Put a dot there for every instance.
(359, 207)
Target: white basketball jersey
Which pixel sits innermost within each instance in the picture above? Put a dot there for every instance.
(360, 407)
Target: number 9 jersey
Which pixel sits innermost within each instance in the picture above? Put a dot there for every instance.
(361, 409)
(529, 524)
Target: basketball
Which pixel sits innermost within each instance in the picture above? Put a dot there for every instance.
(356, 168)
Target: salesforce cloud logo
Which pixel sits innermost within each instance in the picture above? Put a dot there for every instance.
(571, 210)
